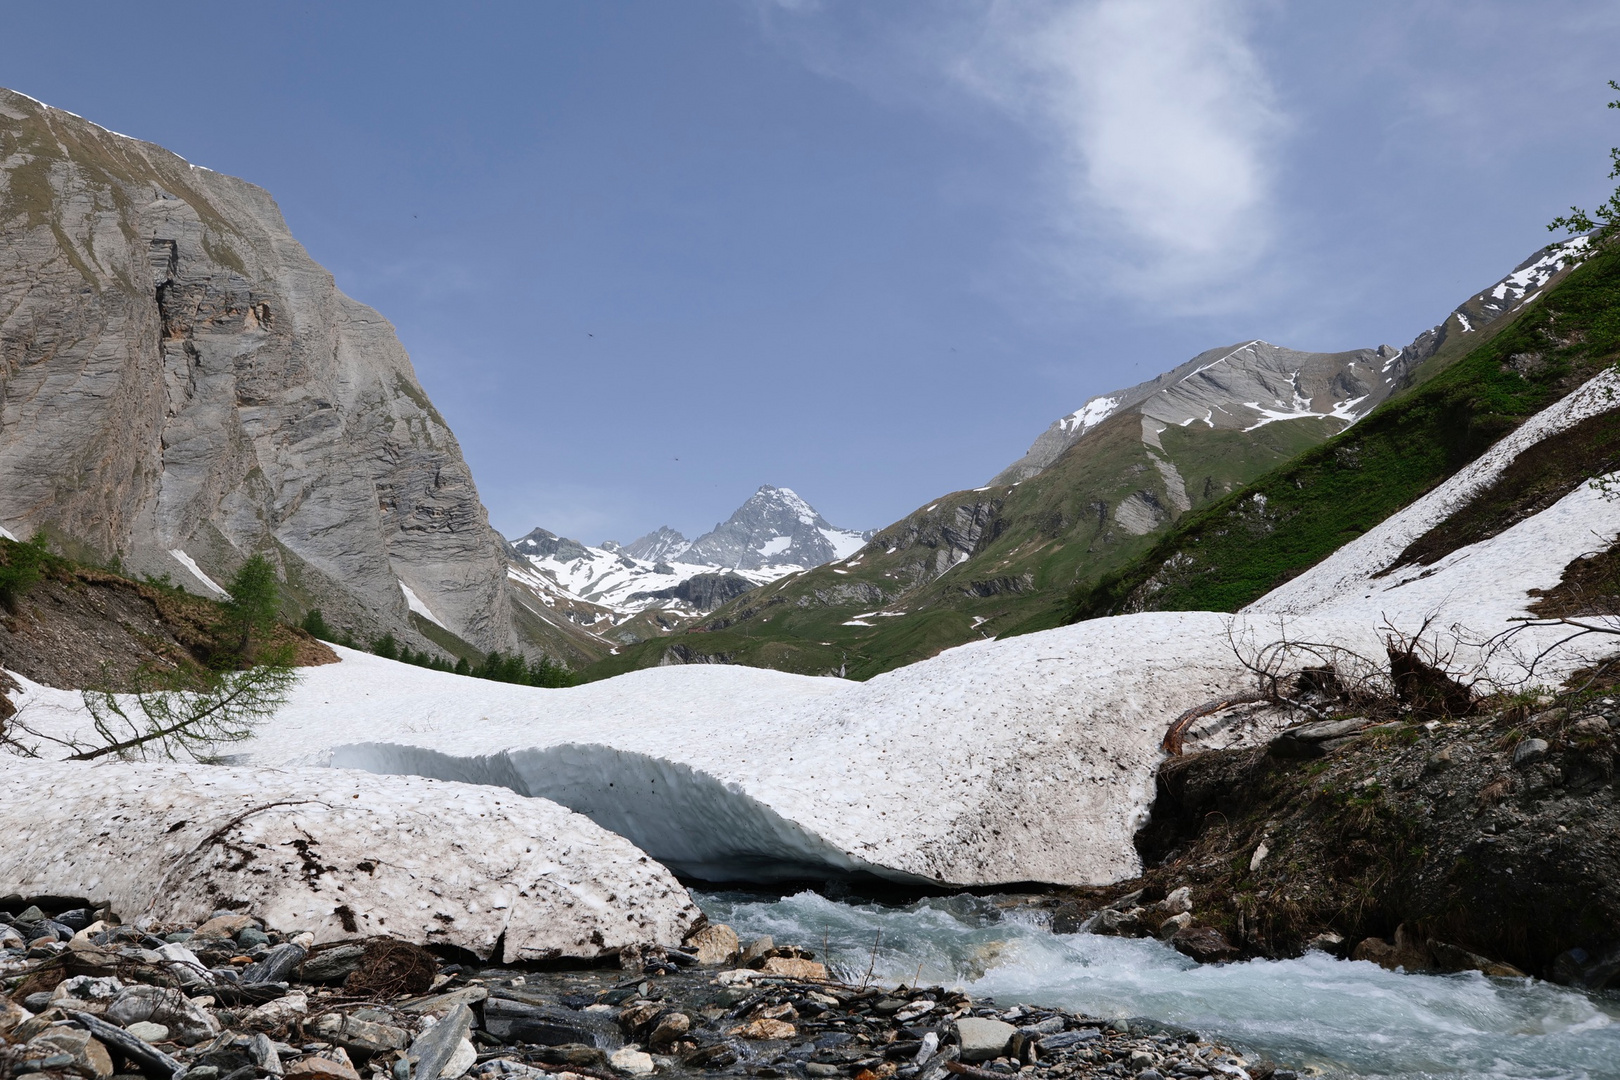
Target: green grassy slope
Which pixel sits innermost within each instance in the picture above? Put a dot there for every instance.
(977, 563)
(1247, 543)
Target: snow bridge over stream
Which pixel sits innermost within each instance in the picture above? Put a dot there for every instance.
(1029, 759)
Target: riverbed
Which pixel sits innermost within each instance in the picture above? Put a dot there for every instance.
(1345, 1019)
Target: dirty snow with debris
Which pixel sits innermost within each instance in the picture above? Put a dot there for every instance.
(335, 852)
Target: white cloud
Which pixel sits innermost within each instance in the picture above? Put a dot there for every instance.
(1163, 129)
(1157, 121)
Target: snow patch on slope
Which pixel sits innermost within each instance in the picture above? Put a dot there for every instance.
(1528, 280)
(612, 579)
(1495, 573)
(196, 571)
(415, 603)
(1089, 415)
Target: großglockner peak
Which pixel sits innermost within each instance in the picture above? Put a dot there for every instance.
(774, 533)
(775, 527)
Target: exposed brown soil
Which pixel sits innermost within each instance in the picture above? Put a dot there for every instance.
(1536, 479)
(1426, 829)
(80, 627)
(1590, 586)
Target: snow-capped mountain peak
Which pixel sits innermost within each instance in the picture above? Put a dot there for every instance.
(774, 528)
(1249, 385)
(771, 535)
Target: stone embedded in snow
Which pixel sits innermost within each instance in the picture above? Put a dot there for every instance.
(335, 853)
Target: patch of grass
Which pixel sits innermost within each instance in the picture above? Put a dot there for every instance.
(1588, 586)
(1536, 479)
(221, 252)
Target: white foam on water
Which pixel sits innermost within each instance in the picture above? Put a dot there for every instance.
(1347, 1019)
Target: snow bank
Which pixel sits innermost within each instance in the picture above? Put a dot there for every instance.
(336, 853)
(1027, 759)
(1482, 585)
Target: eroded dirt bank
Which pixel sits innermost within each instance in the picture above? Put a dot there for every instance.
(1489, 842)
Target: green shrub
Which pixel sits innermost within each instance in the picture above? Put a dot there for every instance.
(386, 647)
(21, 569)
(314, 624)
(252, 606)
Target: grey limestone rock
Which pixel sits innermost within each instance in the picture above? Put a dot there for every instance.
(664, 544)
(983, 1039)
(434, 1049)
(1528, 752)
(177, 375)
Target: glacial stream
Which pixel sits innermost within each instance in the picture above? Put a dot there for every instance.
(1345, 1019)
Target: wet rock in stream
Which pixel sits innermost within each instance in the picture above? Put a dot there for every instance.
(233, 999)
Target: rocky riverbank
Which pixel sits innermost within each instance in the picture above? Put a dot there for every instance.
(1485, 841)
(232, 999)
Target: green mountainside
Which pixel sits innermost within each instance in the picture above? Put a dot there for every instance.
(1077, 535)
(976, 563)
(1234, 551)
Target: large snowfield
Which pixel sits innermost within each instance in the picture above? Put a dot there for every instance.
(1026, 759)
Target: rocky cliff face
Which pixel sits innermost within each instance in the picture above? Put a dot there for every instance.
(182, 386)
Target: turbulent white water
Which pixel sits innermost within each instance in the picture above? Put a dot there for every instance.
(1346, 1019)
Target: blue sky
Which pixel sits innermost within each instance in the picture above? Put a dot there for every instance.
(648, 255)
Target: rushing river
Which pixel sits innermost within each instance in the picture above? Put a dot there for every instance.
(1345, 1019)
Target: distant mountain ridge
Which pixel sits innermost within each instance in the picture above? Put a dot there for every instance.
(1235, 387)
(664, 543)
(1253, 384)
